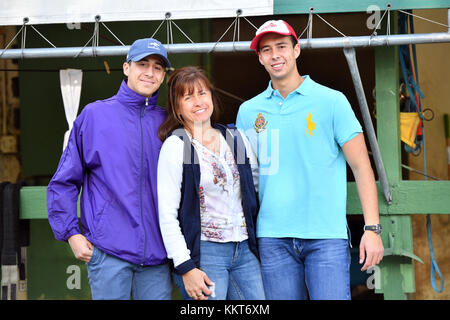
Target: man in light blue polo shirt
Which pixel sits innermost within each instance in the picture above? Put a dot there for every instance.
(303, 134)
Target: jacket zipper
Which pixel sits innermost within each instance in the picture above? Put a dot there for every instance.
(140, 178)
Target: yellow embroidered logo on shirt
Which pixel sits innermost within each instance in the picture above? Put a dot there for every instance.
(310, 125)
(260, 123)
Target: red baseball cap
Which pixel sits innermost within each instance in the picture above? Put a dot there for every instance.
(274, 26)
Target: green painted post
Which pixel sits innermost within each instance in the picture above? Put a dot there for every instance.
(397, 270)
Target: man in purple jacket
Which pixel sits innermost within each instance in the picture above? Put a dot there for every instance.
(112, 156)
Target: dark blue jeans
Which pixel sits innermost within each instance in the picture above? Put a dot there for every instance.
(294, 268)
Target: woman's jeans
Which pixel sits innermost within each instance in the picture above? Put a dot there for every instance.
(113, 279)
(232, 267)
(294, 268)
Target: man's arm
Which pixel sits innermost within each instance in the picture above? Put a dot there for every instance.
(62, 197)
(371, 246)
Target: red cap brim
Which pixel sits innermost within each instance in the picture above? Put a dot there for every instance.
(255, 41)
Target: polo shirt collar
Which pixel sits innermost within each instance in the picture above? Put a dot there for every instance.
(304, 89)
(306, 86)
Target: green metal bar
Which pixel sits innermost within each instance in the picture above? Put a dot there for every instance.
(332, 6)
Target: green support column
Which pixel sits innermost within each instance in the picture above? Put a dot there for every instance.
(397, 269)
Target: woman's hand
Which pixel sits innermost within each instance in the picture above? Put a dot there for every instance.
(195, 283)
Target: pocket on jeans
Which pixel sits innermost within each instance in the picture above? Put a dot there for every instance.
(95, 255)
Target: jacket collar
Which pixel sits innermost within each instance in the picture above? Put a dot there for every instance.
(128, 97)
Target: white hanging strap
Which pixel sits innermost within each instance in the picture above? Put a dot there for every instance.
(70, 80)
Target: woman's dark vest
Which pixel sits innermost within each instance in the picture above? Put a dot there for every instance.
(189, 210)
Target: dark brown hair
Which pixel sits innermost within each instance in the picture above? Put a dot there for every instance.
(181, 81)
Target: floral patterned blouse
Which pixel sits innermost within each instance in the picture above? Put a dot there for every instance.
(221, 213)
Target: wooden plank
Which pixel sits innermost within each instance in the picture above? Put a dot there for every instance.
(388, 110)
(408, 197)
(330, 6)
(421, 197)
(33, 203)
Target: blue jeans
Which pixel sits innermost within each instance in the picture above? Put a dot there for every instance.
(232, 267)
(115, 279)
(293, 268)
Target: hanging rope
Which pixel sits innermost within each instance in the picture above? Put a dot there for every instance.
(23, 32)
(236, 23)
(215, 44)
(308, 25)
(411, 80)
(388, 27)
(113, 34)
(91, 39)
(95, 39)
(169, 30)
(42, 36)
(24, 36)
(419, 17)
(334, 28)
(12, 40)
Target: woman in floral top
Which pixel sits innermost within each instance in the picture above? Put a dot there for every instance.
(207, 207)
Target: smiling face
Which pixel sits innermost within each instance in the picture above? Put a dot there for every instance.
(145, 76)
(196, 105)
(278, 56)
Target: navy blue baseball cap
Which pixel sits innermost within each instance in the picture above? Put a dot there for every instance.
(145, 47)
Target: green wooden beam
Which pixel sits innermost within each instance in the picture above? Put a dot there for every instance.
(397, 267)
(388, 110)
(409, 197)
(330, 6)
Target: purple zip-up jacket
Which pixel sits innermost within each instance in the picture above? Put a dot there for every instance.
(112, 157)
